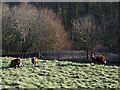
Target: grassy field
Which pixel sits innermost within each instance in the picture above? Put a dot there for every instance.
(58, 74)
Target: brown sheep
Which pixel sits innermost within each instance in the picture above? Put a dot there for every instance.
(34, 61)
(98, 58)
(16, 63)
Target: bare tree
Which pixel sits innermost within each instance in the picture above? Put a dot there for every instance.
(85, 33)
(25, 17)
(5, 28)
(17, 27)
(56, 37)
(28, 29)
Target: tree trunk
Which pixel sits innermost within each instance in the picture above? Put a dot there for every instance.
(87, 54)
(25, 49)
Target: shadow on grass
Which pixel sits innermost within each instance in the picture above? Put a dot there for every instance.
(16, 85)
(5, 67)
(12, 84)
(63, 65)
(36, 66)
(84, 62)
(112, 64)
(107, 64)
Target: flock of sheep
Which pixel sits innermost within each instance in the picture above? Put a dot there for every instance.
(18, 62)
(34, 60)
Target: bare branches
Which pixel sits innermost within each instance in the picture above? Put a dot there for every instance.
(27, 29)
(85, 30)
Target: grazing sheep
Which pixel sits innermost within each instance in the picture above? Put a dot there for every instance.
(34, 61)
(98, 58)
(16, 63)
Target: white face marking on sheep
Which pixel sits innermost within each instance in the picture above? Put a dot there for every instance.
(93, 55)
(104, 61)
(21, 64)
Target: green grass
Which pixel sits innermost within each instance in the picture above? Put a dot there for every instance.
(59, 74)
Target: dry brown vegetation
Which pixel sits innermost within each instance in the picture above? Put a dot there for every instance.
(26, 29)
